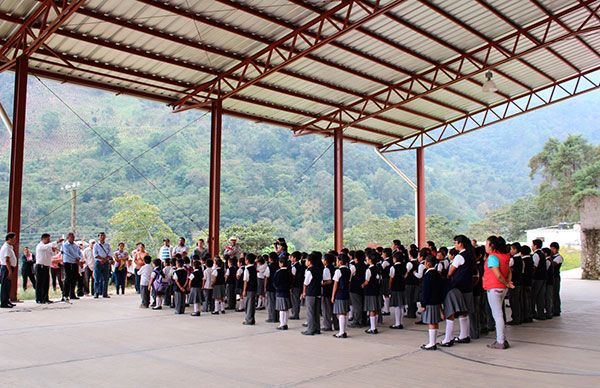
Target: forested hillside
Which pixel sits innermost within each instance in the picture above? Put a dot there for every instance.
(263, 166)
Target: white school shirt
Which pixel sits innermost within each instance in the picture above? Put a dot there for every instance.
(420, 271)
(7, 254)
(368, 274)
(536, 259)
(208, 273)
(326, 274)
(338, 274)
(44, 254)
(246, 277)
(240, 272)
(145, 273)
(267, 272)
(458, 260)
(558, 259)
(260, 271)
(307, 277)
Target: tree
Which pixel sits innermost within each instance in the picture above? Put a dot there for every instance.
(136, 220)
(251, 237)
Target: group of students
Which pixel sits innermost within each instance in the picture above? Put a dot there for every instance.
(363, 286)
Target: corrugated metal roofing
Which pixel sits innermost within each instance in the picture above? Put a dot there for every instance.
(162, 50)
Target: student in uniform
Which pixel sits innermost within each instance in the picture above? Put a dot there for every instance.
(168, 277)
(207, 286)
(357, 270)
(479, 320)
(557, 261)
(372, 291)
(298, 273)
(327, 285)
(157, 283)
(270, 288)
(145, 273)
(180, 279)
(249, 292)
(195, 280)
(261, 269)
(431, 301)
(460, 287)
(443, 264)
(218, 286)
(282, 281)
(340, 297)
(239, 283)
(549, 284)
(412, 283)
(385, 265)
(230, 282)
(515, 295)
(312, 294)
(397, 288)
(539, 280)
(527, 284)
(423, 253)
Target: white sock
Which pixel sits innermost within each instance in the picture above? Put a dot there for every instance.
(196, 307)
(449, 330)
(350, 313)
(216, 306)
(159, 301)
(432, 337)
(222, 303)
(342, 322)
(373, 321)
(386, 304)
(398, 314)
(281, 318)
(464, 327)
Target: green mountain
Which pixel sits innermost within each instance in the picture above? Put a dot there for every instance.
(267, 173)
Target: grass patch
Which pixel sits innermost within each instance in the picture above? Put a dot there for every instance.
(572, 258)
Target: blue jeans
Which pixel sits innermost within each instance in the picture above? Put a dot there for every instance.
(101, 275)
(137, 280)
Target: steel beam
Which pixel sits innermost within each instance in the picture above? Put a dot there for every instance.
(16, 160)
(395, 97)
(288, 49)
(214, 204)
(539, 98)
(421, 214)
(338, 189)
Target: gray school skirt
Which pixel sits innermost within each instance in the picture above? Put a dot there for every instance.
(454, 303)
(371, 303)
(283, 304)
(385, 287)
(195, 295)
(397, 299)
(260, 288)
(219, 291)
(341, 306)
(432, 314)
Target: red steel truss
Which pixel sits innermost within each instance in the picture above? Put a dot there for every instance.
(508, 47)
(35, 30)
(286, 50)
(545, 96)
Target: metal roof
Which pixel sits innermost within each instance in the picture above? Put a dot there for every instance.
(396, 74)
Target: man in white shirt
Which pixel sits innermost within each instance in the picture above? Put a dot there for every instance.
(43, 260)
(88, 267)
(8, 263)
(181, 248)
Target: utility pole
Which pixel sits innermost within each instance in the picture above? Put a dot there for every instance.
(73, 189)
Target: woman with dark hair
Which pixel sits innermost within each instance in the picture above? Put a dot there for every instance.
(459, 299)
(496, 282)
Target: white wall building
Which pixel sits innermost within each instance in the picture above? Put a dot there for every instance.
(563, 234)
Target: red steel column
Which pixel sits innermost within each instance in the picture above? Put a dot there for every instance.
(214, 205)
(16, 160)
(338, 189)
(421, 198)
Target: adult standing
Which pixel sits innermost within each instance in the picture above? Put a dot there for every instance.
(88, 267)
(201, 251)
(121, 256)
(138, 259)
(44, 252)
(166, 250)
(71, 255)
(181, 248)
(27, 270)
(233, 250)
(101, 266)
(496, 282)
(8, 263)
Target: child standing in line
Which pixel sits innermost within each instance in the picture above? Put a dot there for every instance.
(207, 287)
(261, 268)
(239, 284)
(431, 301)
(230, 282)
(397, 288)
(168, 277)
(371, 288)
(145, 273)
(340, 297)
(180, 278)
(312, 293)
(527, 284)
(158, 284)
(195, 280)
(249, 291)
(219, 286)
(282, 281)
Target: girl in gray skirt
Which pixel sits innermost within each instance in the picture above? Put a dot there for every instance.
(372, 292)
(340, 297)
(282, 281)
(431, 301)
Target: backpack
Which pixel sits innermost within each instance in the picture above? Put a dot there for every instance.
(160, 286)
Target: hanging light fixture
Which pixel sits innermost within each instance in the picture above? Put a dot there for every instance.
(489, 86)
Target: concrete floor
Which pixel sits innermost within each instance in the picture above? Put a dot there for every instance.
(111, 342)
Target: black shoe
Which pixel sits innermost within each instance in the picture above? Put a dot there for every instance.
(305, 325)
(106, 296)
(197, 314)
(294, 318)
(326, 329)
(215, 313)
(372, 331)
(513, 323)
(75, 298)
(540, 319)
(397, 327)
(385, 314)
(465, 340)
(425, 347)
(6, 306)
(248, 323)
(447, 344)
(270, 321)
(420, 323)
(284, 327)
(344, 335)
(223, 312)
(48, 302)
(306, 332)
(157, 308)
(239, 310)
(96, 296)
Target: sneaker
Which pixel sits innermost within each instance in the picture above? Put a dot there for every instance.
(465, 340)
(369, 331)
(397, 327)
(496, 345)
(425, 347)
